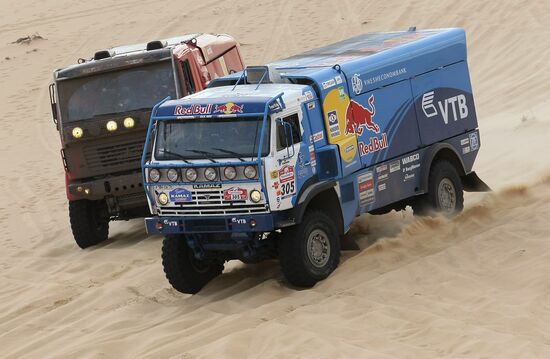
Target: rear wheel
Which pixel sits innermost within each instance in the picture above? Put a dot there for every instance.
(445, 194)
(310, 251)
(89, 222)
(184, 271)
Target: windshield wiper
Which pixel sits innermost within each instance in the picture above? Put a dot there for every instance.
(178, 155)
(230, 152)
(205, 153)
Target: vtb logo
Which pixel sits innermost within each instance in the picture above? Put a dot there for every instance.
(453, 107)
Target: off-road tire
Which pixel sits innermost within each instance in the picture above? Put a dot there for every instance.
(440, 172)
(296, 264)
(89, 222)
(186, 273)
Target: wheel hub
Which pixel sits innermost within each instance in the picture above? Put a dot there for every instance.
(318, 248)
(446, 194)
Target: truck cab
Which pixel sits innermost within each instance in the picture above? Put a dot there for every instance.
(277, 161)
(101, 108)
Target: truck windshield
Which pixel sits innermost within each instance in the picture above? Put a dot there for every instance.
(114, 92)
(210, 138)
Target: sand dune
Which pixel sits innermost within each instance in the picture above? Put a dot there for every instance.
(474, 286)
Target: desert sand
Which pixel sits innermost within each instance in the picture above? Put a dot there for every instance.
(477, 286)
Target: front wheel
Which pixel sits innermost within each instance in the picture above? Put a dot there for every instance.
(445, 194)
(89, 222)
(310, 251)
(184, 271)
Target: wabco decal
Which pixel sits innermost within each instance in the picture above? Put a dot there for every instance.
(358, 117)
(193, 110)
(229, 108)
(180, 195)
(454, 107)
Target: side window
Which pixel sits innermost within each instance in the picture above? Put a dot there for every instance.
(282, 139)
(189, 84)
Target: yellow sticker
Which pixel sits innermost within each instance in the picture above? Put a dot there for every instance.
(274, 174)
(335, 106)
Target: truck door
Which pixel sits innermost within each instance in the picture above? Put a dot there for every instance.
(291, 165)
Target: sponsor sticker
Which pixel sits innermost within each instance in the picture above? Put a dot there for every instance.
(229, 108)
(366, 188)
(309, 95)
(235, 194)
(465, 150)
(333, 125)
(395, 166)
(338, 79)
(474, 141)
(286, 173)
(180, 195)
(193, 110)
(409, 159)
(318, 136)
(464, 141)
(274, 174)
(411, 167)
(381, 168)
(329, 83)
(383, 177)
(311, 105)
(408, 177)
(381, 187)
(356, 84)
(375, 144)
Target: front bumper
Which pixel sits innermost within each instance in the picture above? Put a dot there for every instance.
(123, 186)
(215, 224)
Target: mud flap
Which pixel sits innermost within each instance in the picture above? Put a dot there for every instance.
(472, 183)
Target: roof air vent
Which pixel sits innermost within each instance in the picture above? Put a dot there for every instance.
(103, 54)
(155, 45)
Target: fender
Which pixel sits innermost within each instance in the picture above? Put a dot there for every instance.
(295, 214)
(427, 163)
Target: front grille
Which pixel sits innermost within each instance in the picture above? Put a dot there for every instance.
(127, 155)
(211, 202)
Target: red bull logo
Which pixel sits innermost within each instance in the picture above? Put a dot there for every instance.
(192, 110)
(358, 117)
(229, 108)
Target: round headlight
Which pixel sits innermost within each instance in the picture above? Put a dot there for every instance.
(163, 198)
(191, 174)
(111, 126)
(210, 173)
(230, 172)
(172, 175)
(77, 132)
(154, 175)
(129, 122)
(255, 196)
(250, 172)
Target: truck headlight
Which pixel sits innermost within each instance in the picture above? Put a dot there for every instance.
(111, 126)
(210, 173)
(163, 198)
(230, 172)
(129, 122)
(172, 175)
(250, 172)
(77, 132)
(154, 175)
(255, 196)
(191, 174)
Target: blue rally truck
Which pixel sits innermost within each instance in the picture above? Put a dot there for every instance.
(277, 161)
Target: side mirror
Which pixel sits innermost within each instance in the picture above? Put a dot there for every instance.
(53, 105)
(284, 132)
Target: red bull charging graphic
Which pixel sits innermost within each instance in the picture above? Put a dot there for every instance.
(229, 108)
